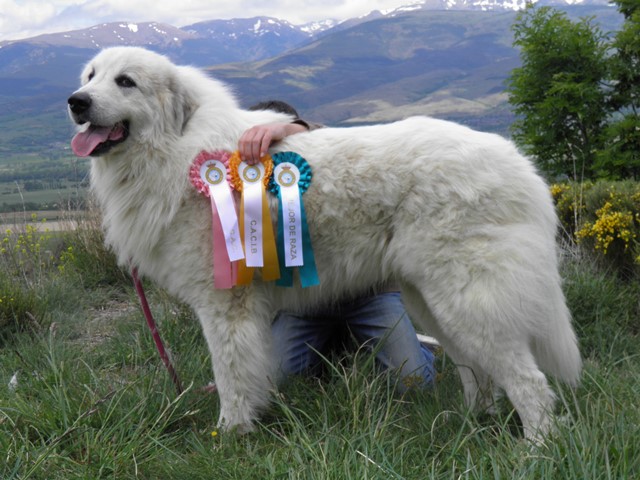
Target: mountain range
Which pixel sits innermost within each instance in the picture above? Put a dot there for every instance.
(446, 58)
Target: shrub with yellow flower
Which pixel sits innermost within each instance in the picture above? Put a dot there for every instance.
(604, 218)
(570, 204)
(610, 225)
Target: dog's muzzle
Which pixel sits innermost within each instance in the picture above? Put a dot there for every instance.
(79, 105)
(93, 139)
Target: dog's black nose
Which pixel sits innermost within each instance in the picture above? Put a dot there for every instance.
(79, 102)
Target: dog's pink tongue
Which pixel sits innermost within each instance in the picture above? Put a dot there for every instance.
(86, 142)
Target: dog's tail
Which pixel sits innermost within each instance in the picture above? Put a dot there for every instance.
(557, 351)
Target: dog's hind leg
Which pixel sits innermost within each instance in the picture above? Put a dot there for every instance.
(479, 390)
(528, 390)
(477, 385)
(497, 348)
(240, 354)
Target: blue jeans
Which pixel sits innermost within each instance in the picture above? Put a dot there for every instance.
(377, 322)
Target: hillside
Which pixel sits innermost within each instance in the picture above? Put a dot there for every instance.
(450, 64)
(447, 64)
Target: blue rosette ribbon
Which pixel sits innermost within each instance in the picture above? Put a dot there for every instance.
(291, 178)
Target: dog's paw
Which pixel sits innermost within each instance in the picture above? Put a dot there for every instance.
(239, 428)
(236, 427)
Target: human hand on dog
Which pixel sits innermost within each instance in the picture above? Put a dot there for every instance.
(255, 142)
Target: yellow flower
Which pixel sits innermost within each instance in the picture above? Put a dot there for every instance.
(558, 189)
(608, 226)
(214, 433)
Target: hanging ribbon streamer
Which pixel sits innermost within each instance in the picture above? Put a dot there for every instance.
(256, 229)
(208, 174)
(291, 178)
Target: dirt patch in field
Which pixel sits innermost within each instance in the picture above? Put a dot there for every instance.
(102, 321)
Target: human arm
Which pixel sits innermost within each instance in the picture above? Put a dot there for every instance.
(254, 142)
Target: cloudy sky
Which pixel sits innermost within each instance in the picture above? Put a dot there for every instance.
(26, 18)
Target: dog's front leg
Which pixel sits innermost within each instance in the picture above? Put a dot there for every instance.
(239, 340)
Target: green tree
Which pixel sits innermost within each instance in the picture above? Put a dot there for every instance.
(621, 155)
(557, 93)
(627, 7)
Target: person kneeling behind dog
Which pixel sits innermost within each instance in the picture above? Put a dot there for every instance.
(376, 321)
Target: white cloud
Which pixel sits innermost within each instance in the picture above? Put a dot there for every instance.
(20, 19)
(25, 18)
(27, 14)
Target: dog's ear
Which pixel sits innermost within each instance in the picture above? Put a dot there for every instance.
(182, 104)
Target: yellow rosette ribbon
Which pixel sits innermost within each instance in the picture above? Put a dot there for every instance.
(256, 229)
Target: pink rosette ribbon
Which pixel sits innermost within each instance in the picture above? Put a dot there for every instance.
(209, 175)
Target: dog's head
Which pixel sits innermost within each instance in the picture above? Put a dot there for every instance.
(127, 95)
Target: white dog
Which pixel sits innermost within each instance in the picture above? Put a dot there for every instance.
(459, 219)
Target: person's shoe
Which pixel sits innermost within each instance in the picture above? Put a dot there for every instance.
(429, 342)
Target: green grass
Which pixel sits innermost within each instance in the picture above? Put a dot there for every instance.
(41, 182)
(93, 400)
(54, 199)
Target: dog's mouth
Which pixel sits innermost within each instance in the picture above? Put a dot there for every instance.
(96, 140)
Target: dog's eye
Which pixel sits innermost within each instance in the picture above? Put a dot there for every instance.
(91, 75)
(125, 82)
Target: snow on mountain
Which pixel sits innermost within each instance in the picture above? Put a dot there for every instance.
(164, 35)
(484, 5)
(111, 34)
(405, 8)
(257, 26)
(313, 28)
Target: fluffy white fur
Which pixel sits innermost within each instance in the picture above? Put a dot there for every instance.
(459, 219)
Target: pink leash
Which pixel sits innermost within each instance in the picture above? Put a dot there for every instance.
(154, 330)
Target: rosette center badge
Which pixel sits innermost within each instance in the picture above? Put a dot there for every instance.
(213, 172)
(251, 173)
(286, 174)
